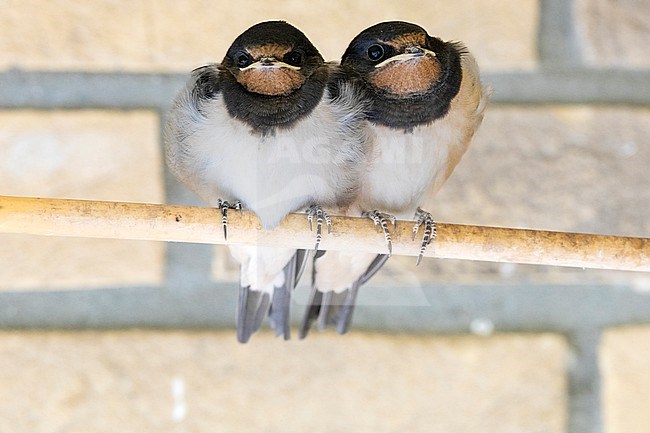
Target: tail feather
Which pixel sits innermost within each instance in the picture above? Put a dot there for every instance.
(329, 309)
(373, 268)
(279, 311)
(332, 309)
(301, 258)
(253, 307)
(338, 308)
(345, 317)
(312, 312)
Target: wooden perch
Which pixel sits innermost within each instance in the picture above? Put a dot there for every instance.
(96, 219)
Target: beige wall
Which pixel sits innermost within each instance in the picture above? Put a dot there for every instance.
(169, 35)
(577, 167)
(206, 382)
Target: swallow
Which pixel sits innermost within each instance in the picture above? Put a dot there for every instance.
(423, 101)
(263, 131)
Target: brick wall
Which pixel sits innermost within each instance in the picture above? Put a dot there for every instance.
(452, 346)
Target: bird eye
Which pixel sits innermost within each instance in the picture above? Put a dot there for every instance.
(375, 52)
(243, 59)
(294, 58)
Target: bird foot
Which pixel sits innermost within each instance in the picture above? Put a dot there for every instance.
(381, 219)
(317, 212)
(424, 218)
(224, 206)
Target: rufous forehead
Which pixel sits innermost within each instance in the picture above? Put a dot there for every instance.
(268, 50)
(408, 39)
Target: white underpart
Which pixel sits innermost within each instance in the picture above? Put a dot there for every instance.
(406, 168)
(261, 267)
(335, 264)
(275, 174)
(219, 157)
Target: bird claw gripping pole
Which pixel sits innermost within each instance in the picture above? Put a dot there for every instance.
(320, 215)
(224, 206)
(424, 218)
(381, 219)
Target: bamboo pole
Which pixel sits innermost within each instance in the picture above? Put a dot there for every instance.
(99, 219)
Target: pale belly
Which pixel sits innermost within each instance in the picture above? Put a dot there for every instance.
(406, 167)
(277, 174)
(272, 184)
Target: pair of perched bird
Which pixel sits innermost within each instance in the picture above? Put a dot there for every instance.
(275, 129)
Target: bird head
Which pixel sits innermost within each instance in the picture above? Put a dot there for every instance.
(400, 59)
(272, 58)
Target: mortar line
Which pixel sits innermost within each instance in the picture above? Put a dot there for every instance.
(122, 91)
(584, 382)
(557, 41)
(191, 302)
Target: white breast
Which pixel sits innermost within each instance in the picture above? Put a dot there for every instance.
(406, 169)
(275, 174)
(406, 166)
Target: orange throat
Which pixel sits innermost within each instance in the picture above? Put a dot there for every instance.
(407, 77)
(271, 81)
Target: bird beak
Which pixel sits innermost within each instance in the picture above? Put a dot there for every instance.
(266, 63)
(409, 54)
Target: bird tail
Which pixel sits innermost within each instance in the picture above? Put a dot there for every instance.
(255, 305)
(252, 309)
(333, 309)
(279, 315)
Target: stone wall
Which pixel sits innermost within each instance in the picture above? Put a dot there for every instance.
(452, 346)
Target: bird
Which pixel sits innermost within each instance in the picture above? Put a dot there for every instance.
(423, 101)
(263, 131)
